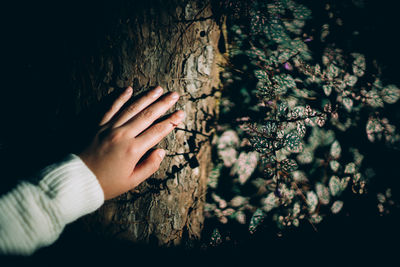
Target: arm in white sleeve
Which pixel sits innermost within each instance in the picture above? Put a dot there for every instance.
(34, 214)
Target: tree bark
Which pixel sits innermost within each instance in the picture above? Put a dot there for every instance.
(174, 44)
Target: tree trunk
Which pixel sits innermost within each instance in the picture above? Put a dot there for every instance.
(173, 44)
(63, 58)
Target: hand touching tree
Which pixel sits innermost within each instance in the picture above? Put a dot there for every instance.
(123, 139)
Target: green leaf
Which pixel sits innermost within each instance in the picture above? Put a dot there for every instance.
(377, 84)
(301, 12)
(347, 103)
(323, 193)
(216, 238)
(214, 175)
(381, 197)
(265, 91)
(296, 112)
(359, 64)
(373, 128)
(316, 218)
(336, 150)
(228, 139)
(358, 157)
(258, 182)
(388, 193)
(293, 142)
(324, 32)
(245, 165)
(276, 32)
(306, 156)
(301, 128)
(350, 168)
(312, 201)
(391, 94)
(237, 201)
(344, 182)
(276, 8)
(288, 165)
(334, 185)
(299, 176)
(256, 220)
(270, 202)
(269, 127)
(284, 82)
(337, 206)
(333, 71)
(284, 56)
(283, 108)
(296, 209)
(258, 21)
(240, 217)
(298, 46)
(228, 155)
(373, 99)
(350, 80)
(327, 89)
(261, 75)
(334, 165)
(256, 53)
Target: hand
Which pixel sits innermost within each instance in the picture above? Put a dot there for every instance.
(123, 139)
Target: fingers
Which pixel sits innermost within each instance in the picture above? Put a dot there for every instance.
(138, 106)
(147, 116)
(147, 167)
(121, 100)
(157, 132)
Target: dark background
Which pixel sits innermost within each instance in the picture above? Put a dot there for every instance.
(40, 42)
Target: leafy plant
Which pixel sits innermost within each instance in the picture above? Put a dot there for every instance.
(286, 154)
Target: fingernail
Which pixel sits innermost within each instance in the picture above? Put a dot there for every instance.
(174, 96)
(128, 90)
(181, 114)
(161, 153)
(157, 91)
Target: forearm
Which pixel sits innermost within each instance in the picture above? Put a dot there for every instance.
(34, 213)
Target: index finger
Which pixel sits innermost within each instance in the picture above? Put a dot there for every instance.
(138, 106)
(147, 116)
(158, 131)
(116, 106)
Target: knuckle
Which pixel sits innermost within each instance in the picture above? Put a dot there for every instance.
(116, 136)
(117, 105)
(118, 101)
(132, 150)
(132, 108)
(148, 113)
(159, 128)
(155, 164)
(108, 114)
(174, 120)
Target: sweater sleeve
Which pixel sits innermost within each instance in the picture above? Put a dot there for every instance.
(34, 214)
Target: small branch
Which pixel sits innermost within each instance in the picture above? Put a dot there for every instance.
(193, 131)
(195, 20)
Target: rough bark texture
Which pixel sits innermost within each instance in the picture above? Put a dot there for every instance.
(64, 59)
(173, 44)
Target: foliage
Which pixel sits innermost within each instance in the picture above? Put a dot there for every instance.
(286, 155)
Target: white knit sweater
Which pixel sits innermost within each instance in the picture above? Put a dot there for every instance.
(35, 212)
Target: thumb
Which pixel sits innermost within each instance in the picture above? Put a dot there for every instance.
(148, 166)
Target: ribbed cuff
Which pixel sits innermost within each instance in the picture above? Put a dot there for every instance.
(73, 186)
